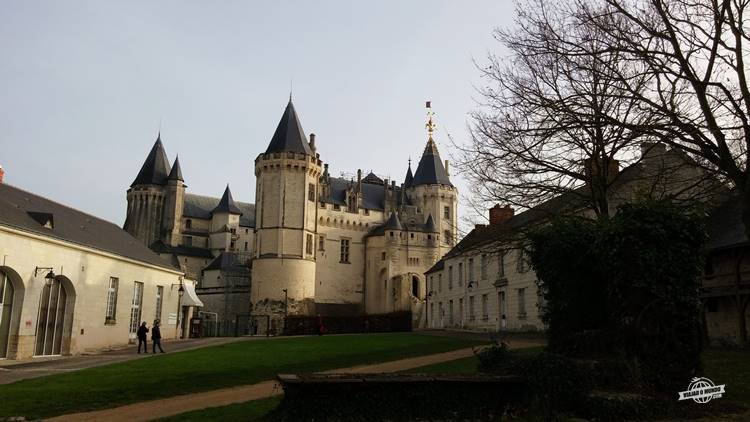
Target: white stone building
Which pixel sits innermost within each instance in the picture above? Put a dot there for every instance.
(315, 244)
(70, 282)
(485, 282)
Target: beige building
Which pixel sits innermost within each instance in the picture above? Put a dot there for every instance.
(314, 243)
(486, 283)
(70, 282)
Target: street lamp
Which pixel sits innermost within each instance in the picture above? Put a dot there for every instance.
(49, 278)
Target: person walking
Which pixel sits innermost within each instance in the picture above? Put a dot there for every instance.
(142, 337)
(156, 337)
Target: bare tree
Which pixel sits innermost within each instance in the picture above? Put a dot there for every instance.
(550, 118)
(693, 54)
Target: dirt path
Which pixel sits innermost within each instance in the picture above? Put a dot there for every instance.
(144, 411)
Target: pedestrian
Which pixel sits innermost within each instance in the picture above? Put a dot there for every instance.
(142, 337)
(156, 337)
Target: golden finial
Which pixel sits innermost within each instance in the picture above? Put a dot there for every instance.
(430, 126)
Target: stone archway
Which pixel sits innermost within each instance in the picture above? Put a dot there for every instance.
(11, 304)
(55, 318)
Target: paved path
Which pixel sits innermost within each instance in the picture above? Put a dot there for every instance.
(144, 411)
(16, 370)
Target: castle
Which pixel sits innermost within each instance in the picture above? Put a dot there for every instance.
(312, 244)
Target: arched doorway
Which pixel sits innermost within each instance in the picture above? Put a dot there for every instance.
(415, 286)
(55, 320)
(11, 300)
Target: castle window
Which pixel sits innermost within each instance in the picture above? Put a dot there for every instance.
(321, 243)
(501, 263)
(483, 267)
(311, 192)
(447, 212)
(412, 235)
(522, 265)
(415, 287)
(336, 207)
(245, 246)
(188, 240)
(448, 237)
(345, 251)
(111, 311)
(440, 282)
(521, 303)
(382, 256)
(471, 269)
(471, 308)
(309, 244)
(367, 212)
(485, 311)
(450, 277)
(429, 237)
(232, 245)
(233, 230)
(391, 234)
(188, 224)
(460, 274)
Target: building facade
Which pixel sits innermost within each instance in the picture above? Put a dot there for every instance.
(486, 282)
(313, 244)
(71, 283)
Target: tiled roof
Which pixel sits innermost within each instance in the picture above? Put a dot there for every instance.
(22, 210)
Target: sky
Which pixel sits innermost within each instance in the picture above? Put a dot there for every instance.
(87, 85)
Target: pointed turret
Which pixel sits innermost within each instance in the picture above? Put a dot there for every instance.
(289, 136)
(429, 225)
(226, 204)
(430, 170)
(409, 180)
(393, 223)
(176, 173)
(155, 169)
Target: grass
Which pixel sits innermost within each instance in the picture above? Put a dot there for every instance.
(209, 368)
(249, 411)
(466, 365)
(730, 367)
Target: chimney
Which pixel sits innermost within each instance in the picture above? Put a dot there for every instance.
(2, 173)
(359, 180)
(652, 149)
(500, 215)
(592, 170)
(312, 142)
(447, 169)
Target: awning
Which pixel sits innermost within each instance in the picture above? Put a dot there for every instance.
(190, 298)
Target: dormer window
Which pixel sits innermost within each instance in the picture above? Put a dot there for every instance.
(45, 219)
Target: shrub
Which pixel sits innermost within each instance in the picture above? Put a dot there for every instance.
(557, 383)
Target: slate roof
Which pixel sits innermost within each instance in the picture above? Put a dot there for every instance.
(373, 195)
(227, 261)
(405, 225)
(409, 179)
(725, 227)
(431, 170)
(22, 210)
(160, 247)
(226, 204)
(289, 136)
(176, 172)
(155, 169)
(437, 267)
(373, 179)
(199, 206)
(393, 223)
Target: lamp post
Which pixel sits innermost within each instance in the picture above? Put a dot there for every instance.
(180, 292)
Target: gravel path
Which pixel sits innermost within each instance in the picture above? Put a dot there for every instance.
(148, 410)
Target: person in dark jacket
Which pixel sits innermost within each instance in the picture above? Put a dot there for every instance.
(142, 337)
(156, 337)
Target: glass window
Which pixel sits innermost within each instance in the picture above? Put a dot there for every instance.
(159, 301)
(483, 267)
(309, 244)
(311, 192)
(485, 299)
(111, 313)
(521, 302)
(345, 250)
(321, 243)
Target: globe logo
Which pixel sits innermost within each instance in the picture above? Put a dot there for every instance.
(702, 390)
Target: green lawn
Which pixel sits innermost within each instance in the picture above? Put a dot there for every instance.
(209, 368)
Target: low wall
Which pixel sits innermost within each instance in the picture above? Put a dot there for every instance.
(396, 321)
(399, 397)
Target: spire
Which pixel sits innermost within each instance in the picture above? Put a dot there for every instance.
(289, 136)
(226, 204)
(393, 223)
(409, 177)
(156, 167)
(430, 170)
(176, 173)
(429, 225)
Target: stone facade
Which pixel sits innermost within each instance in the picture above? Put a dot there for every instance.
(68, 281)
(315, 244)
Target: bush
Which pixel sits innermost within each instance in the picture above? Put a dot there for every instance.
(627, 286)
(494, 359)
(557, 383)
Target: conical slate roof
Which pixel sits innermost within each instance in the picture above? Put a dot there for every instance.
(156, 167)
(429, 225)
(393, 223)
(289, 136)
(409, 180)
(431, 170)
(226, 204)
(176, 173)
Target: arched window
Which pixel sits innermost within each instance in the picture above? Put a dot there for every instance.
(6, 309)
(415, 286)
(188, 224)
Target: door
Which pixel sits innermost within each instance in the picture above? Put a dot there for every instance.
(51, 320)
(135, 308)
(6, 310)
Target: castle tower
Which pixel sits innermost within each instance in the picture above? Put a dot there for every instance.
(173, 205)
(287, 188)
(432, 191)
(146, 196)
(225, 219)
